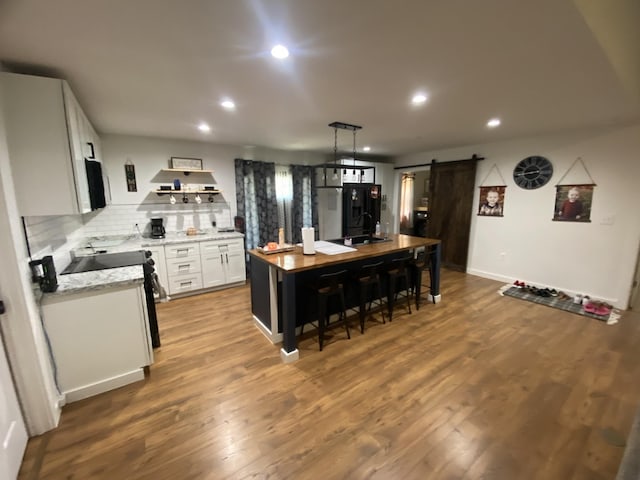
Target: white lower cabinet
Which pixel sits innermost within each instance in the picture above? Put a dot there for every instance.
(222, 262)
(183, 267)
(99, 340)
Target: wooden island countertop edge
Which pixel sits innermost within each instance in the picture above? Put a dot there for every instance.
(296, 261)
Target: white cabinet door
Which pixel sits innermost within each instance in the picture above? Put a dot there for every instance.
(185, 283)
(38, 143)
(181, 250)
(213, 273)
(222, 262)
(78, 131)
(236, 264)
(99, 340)
(183, 267)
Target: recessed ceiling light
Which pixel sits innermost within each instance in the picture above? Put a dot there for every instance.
(228, 105)
(280, 52)
(366, 149)
(419, 99)
(493, 123)
(203, 127)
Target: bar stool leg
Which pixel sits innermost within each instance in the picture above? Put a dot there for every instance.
(380, 300)
(321, 319)
(343, 314)
(390, 294)
(363, 302)
(407, 285)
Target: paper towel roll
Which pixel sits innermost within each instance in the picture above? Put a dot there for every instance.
(308, 239)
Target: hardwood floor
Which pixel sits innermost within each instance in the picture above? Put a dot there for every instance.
(477, 386)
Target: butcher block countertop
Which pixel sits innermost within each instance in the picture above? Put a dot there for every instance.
(296, 261)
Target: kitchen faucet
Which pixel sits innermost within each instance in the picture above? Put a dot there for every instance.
(367, 214)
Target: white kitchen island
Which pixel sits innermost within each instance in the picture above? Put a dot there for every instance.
(97, 326)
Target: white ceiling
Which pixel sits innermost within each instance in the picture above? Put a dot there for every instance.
(159, 67)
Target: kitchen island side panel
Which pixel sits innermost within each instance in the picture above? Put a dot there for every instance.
(260, 292)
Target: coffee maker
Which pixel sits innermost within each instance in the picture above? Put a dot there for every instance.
(43, 272)
(157, 230)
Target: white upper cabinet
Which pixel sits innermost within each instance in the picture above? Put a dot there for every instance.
(47, 136)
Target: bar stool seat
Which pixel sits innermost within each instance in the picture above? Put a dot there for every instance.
(397, 281)
(368, 279)
(421, 264)
(327, 286)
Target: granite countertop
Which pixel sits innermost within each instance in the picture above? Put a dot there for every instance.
(128, 243)
(97, 280)
(181, 237)
(116, 277)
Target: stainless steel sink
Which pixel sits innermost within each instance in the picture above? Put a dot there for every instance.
(361, 240)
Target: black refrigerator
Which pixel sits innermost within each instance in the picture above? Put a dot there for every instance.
(360, 208)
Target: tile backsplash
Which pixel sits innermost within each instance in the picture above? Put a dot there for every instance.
(122, 219)
(53, 235)
(58, 235)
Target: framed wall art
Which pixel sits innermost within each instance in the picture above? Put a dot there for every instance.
(491, 202)
(186, 163)
(573, 203)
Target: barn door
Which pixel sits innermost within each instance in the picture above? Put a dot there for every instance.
(451, 188)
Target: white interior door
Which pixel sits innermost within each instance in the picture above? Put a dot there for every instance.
(13, 433)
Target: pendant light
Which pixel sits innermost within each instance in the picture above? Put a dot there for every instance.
(335, 153)
(354, 152)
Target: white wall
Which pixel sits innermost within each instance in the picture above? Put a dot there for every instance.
(594, 258)
(150, 155)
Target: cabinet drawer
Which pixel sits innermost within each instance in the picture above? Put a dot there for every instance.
(184, 283)
(182, 266)
(181, 250)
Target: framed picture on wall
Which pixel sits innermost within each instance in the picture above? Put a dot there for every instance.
(491, 202)
(186, 163)
(573, 203)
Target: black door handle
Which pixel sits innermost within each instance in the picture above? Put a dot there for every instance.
(2, 309)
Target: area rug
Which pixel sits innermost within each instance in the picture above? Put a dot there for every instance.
(556, 302)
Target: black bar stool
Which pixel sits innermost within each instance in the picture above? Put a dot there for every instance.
(327, 286)
(398, 280)
(368, 278)
(421, 263)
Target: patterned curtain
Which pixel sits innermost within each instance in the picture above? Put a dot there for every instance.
(256, 199)
(406, 202)
(305, 200)
(284, 195)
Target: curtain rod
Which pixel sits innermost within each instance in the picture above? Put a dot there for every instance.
(474, 157)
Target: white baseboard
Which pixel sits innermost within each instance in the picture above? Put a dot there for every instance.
(289, 357)
(273, 338)
(509, 280)
(104, 385)
(490, 276)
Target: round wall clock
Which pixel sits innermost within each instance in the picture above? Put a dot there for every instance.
(532, 172)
